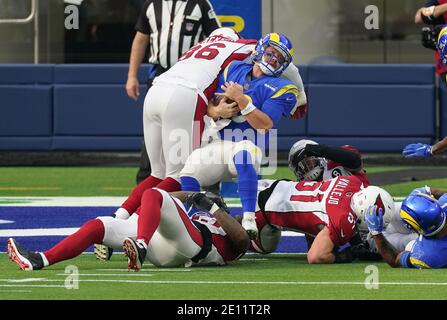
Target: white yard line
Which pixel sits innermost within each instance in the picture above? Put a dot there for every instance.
(37, 232)
(324, 283)
(148, 270)
(107, 275)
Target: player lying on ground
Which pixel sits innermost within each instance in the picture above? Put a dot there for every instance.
(421, 213)
(160, 232)
(329, 211)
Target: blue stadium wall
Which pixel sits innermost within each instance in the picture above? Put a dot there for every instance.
(378, 108)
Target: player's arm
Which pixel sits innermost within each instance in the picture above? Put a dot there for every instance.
(425, 150)
(387, 251)
(347, 158)
(217, 207)
(223, 110)
(322, 248)
(138, 52)
(431, 14)
(255, 117)
(292, 73)
(374, 221)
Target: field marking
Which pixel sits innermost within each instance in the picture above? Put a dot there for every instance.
(108, 274)
(104, 201)
(149, 270)
(324, 283)
(28, 280)
(33, 285)
(29, 188)
(6, 233)
(21, 291)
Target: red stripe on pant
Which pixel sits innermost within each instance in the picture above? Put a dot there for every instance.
(199, 125)
(72, 246)
(150, 217)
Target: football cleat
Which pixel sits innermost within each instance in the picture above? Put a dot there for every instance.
(102, 252)
(135, 252)
(249, 224)
(25, 259)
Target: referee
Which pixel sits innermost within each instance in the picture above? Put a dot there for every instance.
(168, 28)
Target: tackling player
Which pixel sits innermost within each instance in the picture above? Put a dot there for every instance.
(262, 98)
(165, 235)
(423, 214)
(327, 210)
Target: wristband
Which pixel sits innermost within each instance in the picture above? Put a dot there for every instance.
(248, 109)
(214, 208)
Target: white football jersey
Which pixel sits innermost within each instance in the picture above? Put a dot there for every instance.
(200, 65)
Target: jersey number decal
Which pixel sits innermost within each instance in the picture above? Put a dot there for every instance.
(208, 52)
(312, 187)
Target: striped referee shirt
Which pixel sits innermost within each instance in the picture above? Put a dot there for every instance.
(174, 26)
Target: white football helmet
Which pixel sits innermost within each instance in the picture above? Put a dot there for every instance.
(226, 33)
(307, 168)
(369, 196)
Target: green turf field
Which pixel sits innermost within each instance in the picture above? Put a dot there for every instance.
(118, 181)
(254, 277)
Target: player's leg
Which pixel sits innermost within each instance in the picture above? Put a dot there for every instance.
(154, 105)
(165, 233)
(91, 232)
(182, 128)
(245, 163)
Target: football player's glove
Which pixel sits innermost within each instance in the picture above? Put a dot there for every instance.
(374, 220)
(102, 252)
(205, 201)
(417, 150)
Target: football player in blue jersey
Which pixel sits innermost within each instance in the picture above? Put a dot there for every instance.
(262, 98)
(423, 150)
(422, 213)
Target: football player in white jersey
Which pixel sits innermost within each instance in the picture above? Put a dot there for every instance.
(175, 105)
(164, 234)
(329, 211)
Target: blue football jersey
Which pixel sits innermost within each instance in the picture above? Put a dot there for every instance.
(427, 253)
(276, 97)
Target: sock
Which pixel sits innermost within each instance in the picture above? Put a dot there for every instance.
(149, 215)
(190, 184)
(72, 246)
(134, 199)
(247, 181)
(169, 185)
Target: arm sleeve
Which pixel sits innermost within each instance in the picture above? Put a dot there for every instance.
(209, 18)
(346, 158)
(280, 105)
(142, 24)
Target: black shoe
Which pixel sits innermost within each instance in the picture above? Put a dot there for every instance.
(25, 259)
(135, 252)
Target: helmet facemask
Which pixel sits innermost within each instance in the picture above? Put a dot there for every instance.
(309, 168)
(282, 56)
